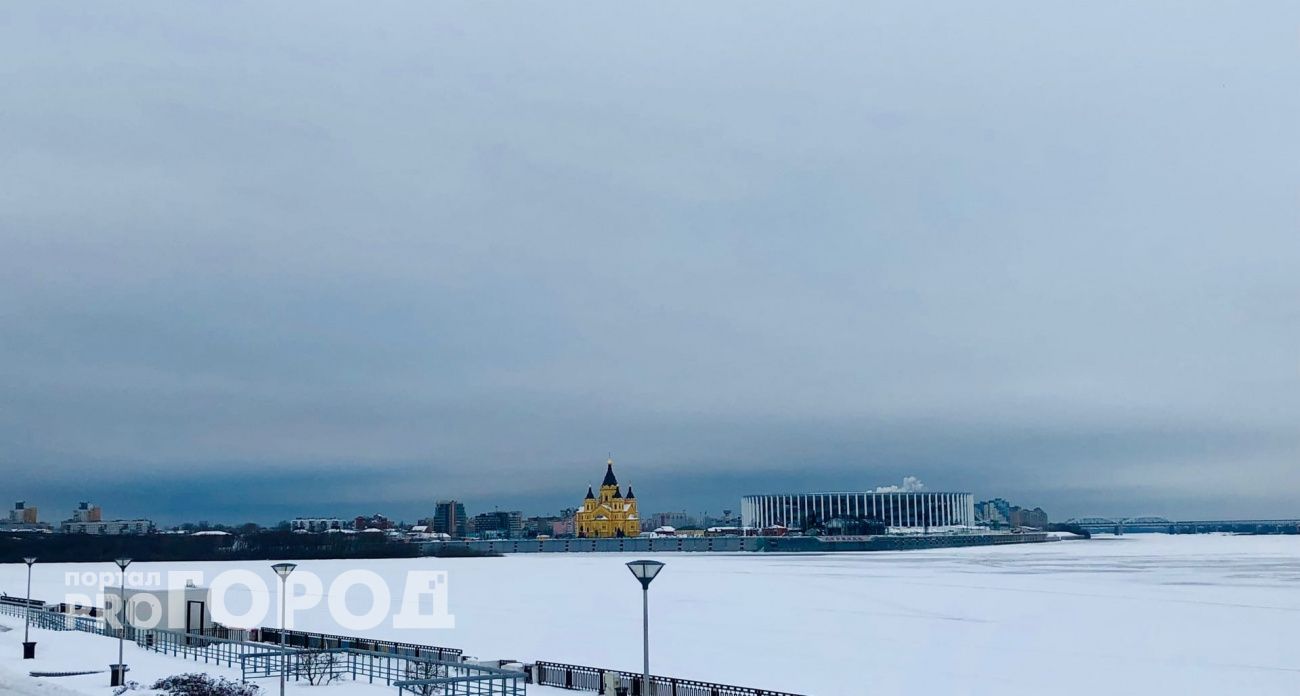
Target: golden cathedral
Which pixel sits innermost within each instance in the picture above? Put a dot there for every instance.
(612, 514)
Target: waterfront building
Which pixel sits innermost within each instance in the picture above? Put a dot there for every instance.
(995, 513)
(542, 525)
(728, 519)
(611, 514)
(497, 525)
(676, 520)
(564, 526)
(1023, 517)
(899, 509)
(449, 518)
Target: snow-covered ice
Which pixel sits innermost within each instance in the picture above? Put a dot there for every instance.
(1137, 614)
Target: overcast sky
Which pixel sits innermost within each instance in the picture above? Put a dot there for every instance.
(262, 260)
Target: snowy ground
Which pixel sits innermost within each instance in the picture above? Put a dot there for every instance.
(1136, 614)
(72, 651)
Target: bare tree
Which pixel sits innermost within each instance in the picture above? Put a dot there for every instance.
(318, 667)
(417, 670)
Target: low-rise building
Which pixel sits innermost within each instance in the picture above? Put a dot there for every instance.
(728, 518)
(678, 520)
(108, 527)
(317, 525)
(497, 525)
(541, 525)
(375, 521)
(424, 532)
(185, 609)
(563, 527)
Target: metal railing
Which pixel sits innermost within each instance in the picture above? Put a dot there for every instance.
(411, 674)
(305, 639)
(226, 633)
(583, 678)
(468, 685)
(10, 601)
(415, 669)
(201, 648)
(39, 616)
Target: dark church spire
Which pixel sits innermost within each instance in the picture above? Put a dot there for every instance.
(609, 475)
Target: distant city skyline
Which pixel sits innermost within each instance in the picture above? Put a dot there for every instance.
(231, 512)
(355, 261)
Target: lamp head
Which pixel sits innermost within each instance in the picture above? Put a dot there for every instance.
(29, 561)
(645, 571)
(283, 569)
(122, 562)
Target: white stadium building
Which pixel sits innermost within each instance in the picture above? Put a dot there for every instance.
(895, 509)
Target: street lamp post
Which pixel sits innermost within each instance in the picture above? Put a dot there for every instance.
(283, 570)
(118, 676)
(29, 647)
(645, 572)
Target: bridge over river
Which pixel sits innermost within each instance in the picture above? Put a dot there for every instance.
(1161, 525)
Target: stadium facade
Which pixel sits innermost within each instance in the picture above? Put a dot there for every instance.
(895, 509)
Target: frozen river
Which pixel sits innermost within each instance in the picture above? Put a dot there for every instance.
(1137, 614)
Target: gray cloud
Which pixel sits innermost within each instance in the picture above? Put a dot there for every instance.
(324, 255)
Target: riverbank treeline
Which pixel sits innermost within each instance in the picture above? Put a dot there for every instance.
(262, 545)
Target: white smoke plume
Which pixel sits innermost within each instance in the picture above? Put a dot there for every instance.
(911, 484)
